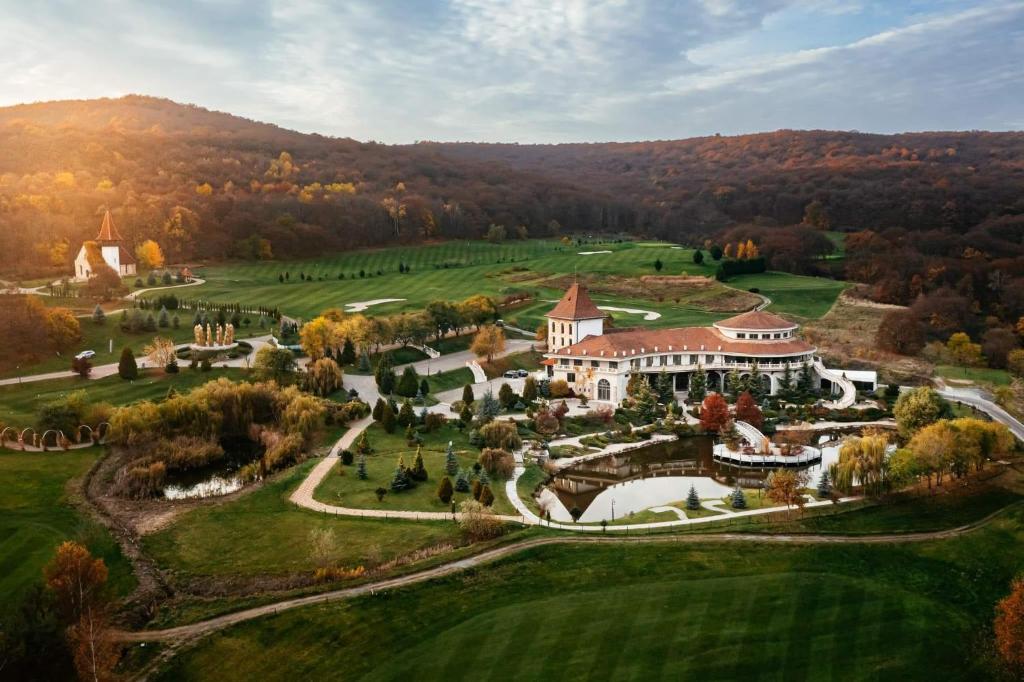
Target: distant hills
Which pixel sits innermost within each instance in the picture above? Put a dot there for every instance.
(211, 185)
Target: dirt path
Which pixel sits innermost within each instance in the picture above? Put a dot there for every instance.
(195, 630)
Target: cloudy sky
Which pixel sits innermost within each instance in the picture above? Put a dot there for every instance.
(534, 70)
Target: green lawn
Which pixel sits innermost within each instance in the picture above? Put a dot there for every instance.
(979, 375)
(458, 269)
(347, 489)
(36, 515)
(20, 403)
(801, 296)
(453, 378)
(452, 344)
(528, 360)
(652, 611)
(263, 534)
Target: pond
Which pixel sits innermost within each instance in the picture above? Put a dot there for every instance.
(618, 484)
(219, 478)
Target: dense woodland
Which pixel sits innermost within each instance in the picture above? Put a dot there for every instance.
(924, 212)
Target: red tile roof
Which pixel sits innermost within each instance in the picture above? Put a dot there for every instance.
(755, 319)
(108, 231)
(575, 305)
(681, 340)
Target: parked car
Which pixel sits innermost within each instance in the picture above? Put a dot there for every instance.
(522, 374)
(86, 355)
(499, 323)
(511, 374)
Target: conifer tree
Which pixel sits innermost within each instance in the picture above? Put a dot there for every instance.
(478, 488)
(387, 418)
(739, 500)
(692, 499)
(406, 415)
(451, 463)
(466, 415)
(755, 382)
(486, 496)
(467, 394)
(424, 389)
(733, 385)
(364, 361)
(698, 385)
(489, 407)
(529, 390)
(378, 410)
(806, 382)
(361, 467)
(98, 316)
(126, 366)
(646, 403)
(164, 319)
(418, 471)
(506, 396)
(462, 481)
(445, 490)
(400, 480)
(664, 387)
(786, 383)
(348, 353)
(409, 383)
(824, 484)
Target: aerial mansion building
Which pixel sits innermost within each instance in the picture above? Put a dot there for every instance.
(598, 363)
(108, 247)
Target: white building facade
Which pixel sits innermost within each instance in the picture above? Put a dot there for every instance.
(598, 363)
(108, 247)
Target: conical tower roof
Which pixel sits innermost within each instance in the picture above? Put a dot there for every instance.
(576, 305)
(108, 231)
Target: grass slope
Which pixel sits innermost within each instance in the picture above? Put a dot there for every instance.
(262, 533)
(474, 268)
(20, 403)
(36, 515)
(653, 611)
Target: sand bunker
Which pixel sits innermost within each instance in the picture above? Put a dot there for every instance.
(591, 253)
(648, 314)
(360, 306)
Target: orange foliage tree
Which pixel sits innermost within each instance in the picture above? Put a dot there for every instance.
(1009, 626)
(748, 411)
(714, 412)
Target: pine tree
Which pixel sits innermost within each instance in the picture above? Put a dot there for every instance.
(478, 488)
(698, 385)
(410, 434)
(486, 496)
(664, 387)
(409, 383)
(692, 499)
(739, 500)
(806, 382)
(126, 366)
(462, 482)
(755, 382)
(824, 484)
(98, 316)
(364, 361)
(387, 382)
(400, 479)
(467, 394)
(466, 415)
(646, 403)
(445, 490)
(484, 478)
(529, 390)
(418, 471)
(378, 410)
(451, 462)
(387, 418)
(363, 444)
(164, 319)
(424, 389)
(348, 353)
(506, 396)
(406, 415)
(361, 467)
(489, 407)
(734, 384)
(786, 383)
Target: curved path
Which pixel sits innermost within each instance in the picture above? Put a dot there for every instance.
(220, 622)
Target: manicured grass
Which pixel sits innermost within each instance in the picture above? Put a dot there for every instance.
(979, 375)
(472, 268)
(20, 403)
(263, 534)
(452, 344)
(801, 296)
(653, 611)
(348, 490)
(36, 515)
(528, 360)
(453, 378)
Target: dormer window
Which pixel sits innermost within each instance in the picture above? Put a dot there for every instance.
(741, 335)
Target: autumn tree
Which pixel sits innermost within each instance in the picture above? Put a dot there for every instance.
(748, 411)
(900, 331)
(785, 486)
(150, 255)
(861, 461)
(917, 408)
(324, 377)
(1009, 627)
(488, 342)
(714, 413)
(963, 351)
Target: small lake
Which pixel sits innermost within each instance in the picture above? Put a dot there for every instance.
(622, 483)
(218, 478)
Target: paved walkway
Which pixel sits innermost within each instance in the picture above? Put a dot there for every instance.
(980, 400)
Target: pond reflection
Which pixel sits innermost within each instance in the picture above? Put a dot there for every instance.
(618, 484)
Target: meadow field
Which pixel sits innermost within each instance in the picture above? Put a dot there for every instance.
(459, 269)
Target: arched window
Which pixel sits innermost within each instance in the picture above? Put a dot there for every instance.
(604, 390)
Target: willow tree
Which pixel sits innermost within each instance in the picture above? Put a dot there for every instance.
(861, 460)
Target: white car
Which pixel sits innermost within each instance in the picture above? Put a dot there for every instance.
(86, 355)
